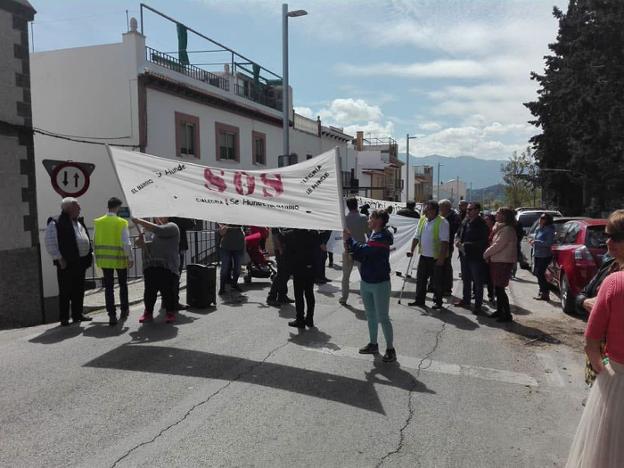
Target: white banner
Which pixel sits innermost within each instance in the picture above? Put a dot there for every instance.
(306, 195)
(382, 204)
(403, 229)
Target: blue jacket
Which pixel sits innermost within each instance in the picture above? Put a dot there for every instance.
(543, 240)
(374, 256)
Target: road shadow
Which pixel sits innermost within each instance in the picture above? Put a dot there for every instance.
(327, 289)
(312, 338)
(391, 374)
(287, 311)
(360, 314)
(152, 332)
(174, 361)
(104, 330)
(58, 334)
(449, 317)
(203, 310)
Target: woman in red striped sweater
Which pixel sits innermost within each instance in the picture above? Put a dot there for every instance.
(599, 440)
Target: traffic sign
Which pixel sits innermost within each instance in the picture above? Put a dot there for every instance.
(69, 178)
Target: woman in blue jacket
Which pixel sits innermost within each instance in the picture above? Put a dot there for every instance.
(542, 255)
(375, 289)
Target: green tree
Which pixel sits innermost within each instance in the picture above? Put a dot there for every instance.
(520, 176)
(580, 108)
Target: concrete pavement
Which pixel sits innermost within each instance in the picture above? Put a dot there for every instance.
(235, 386)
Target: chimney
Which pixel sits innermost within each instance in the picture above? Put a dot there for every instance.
(359, 141)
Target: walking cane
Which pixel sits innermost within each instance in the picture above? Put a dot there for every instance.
(408, 273)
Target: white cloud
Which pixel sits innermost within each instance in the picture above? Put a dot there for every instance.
(348, 111)
(433, 69)
(430, 126)
(305, 111)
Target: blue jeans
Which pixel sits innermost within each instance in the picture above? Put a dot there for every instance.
(376, 298)
(473, 278)
(230, 266)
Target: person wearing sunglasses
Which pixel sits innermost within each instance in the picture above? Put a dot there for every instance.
(542, 242)
(598, 439)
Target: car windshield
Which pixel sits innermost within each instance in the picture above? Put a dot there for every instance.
(526, 219)
(595, 238)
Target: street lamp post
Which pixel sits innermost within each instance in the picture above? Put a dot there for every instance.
(439, 166)
(285, 104)
(407, 173)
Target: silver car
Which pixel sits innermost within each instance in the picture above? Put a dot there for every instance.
(527, 249)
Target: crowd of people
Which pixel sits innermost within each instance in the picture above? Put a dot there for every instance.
(488, 252)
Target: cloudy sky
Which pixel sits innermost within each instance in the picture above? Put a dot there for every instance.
(452, 72)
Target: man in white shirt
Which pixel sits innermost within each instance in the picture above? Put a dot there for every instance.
(358, 225)
(432, 237)
(68, 243)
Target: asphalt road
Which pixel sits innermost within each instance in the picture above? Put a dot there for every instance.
(235, 386)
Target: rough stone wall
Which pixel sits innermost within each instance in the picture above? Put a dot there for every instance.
(20, 269)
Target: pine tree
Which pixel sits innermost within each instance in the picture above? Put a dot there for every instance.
(580, 108)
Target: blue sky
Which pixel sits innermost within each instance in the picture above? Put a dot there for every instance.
(452, 72)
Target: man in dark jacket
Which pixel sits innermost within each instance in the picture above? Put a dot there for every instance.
(409, 210)
(301, 248)
(68, 243)
(447, 212)
(472, 242)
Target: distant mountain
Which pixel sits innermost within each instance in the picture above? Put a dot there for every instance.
(488, 194)
(481, 172)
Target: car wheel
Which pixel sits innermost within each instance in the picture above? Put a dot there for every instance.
(567, 299)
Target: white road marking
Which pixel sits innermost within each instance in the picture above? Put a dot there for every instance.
(483, 373)
(551, 371)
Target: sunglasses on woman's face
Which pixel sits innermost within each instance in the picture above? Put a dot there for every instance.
(616, 237)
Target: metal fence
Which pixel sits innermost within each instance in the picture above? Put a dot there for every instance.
(202, 248)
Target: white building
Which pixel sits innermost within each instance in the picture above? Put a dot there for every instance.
(453, 190)
(130, 94)
(421, 186)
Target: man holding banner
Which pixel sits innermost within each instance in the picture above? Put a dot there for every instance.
(432, 239)
(357, 224)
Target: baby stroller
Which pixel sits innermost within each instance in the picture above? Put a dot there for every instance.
(259, 265)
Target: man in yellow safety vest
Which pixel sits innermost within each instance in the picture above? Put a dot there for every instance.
(432, 238)
(113, 251)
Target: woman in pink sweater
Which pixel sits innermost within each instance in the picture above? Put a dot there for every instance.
(502, 254)
(599, 440)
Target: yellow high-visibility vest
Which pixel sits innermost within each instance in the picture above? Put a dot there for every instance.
(436, 234)
(108, 246)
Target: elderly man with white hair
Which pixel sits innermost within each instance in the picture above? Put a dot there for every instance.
(68, 243)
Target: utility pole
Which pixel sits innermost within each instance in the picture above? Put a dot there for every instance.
(408, 178)
(439, 166)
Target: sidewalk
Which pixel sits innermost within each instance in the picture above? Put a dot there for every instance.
(94, 298)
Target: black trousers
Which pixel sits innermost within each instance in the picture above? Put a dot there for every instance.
(279, 287)
(502, 302)
(158, 279)
(303, 281)
(427, 269)
(447, 275)
(71, 281)
(109, 289)
(540, 265)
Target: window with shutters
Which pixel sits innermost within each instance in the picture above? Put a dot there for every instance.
(258, 147)
(187, 135)
(227, 142)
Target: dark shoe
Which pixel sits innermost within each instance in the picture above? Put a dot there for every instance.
(124, 314)
(505, 318)
(496, 314)
(447, 293)
(462, 304)
(65, 323)
(370, 348)
(309, 321)
(273, 302)
(221, 292)
(82, 318)
(390, 355)
(416, 304)
(437, 307)
(236, 287)
(478, 311)
(181, 306)
(297, 324)
(112, 320)
(285, 300)
(170, 317)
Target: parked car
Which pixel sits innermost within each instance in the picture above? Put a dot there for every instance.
(527, 248)
(576, 258)
(528, 217)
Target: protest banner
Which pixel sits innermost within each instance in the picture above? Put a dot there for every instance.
(307, 195)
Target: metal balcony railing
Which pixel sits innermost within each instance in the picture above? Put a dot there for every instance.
(260, 94)
(173, 63)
